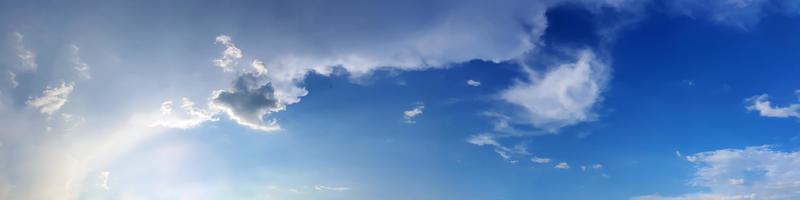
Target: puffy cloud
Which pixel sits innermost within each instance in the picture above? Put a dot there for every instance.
(562, 96)
(52, 98)
(409, 115)
(230, 56)
(758, 172)
(251, 98)
(27, 57)
(561, 165)
(540, 160)
(473, 83)
(327, 188)
(78, 64)
(765, 108)
(190, 118)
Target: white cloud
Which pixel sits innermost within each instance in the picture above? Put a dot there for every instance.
(751, 173)
(565, 95)
(78, 64)
(326, 188)
(765, 108)
(678, 153)
(230, 56)
(409, 115)
(597, 166)
(561, 165)
(190, 118)
(52, 98)
(27, 57)
(473, 83)
(540, 160)
(102, 180)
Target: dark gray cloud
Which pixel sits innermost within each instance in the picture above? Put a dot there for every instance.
(251, 98)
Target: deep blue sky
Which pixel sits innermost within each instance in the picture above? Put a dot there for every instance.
(371, 100)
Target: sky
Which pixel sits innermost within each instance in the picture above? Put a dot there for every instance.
(511, 99)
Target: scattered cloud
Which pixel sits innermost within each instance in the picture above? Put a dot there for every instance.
(565, 95)
(27, 57)
(561, 165)
(102, 180)
(52, 98)
(540, 160)
(78, 64)
(473, 83)
(758, 172)
(409, 115)
(762, 104)
(678, 153)
(230, 56)
(251, 98)
(326, 188)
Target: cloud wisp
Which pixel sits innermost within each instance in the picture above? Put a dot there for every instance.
(52, 99)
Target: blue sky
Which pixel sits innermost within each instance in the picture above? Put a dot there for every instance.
(562, 99)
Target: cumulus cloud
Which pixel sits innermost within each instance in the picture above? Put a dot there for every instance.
(27, 57)
(189, 118)
(763, 105)
(327, 188)
(565, 95)
(758, 172)
(409, 115)
(52, 98)
(230, 56)
(561, 165)
(540, 160)
(251, 98)
(473, 83)
(78, 64)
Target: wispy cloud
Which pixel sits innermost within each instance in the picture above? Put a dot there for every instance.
(327, 188)
(27, 57)
(409, 115)
(78, 64)
(52, 99)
